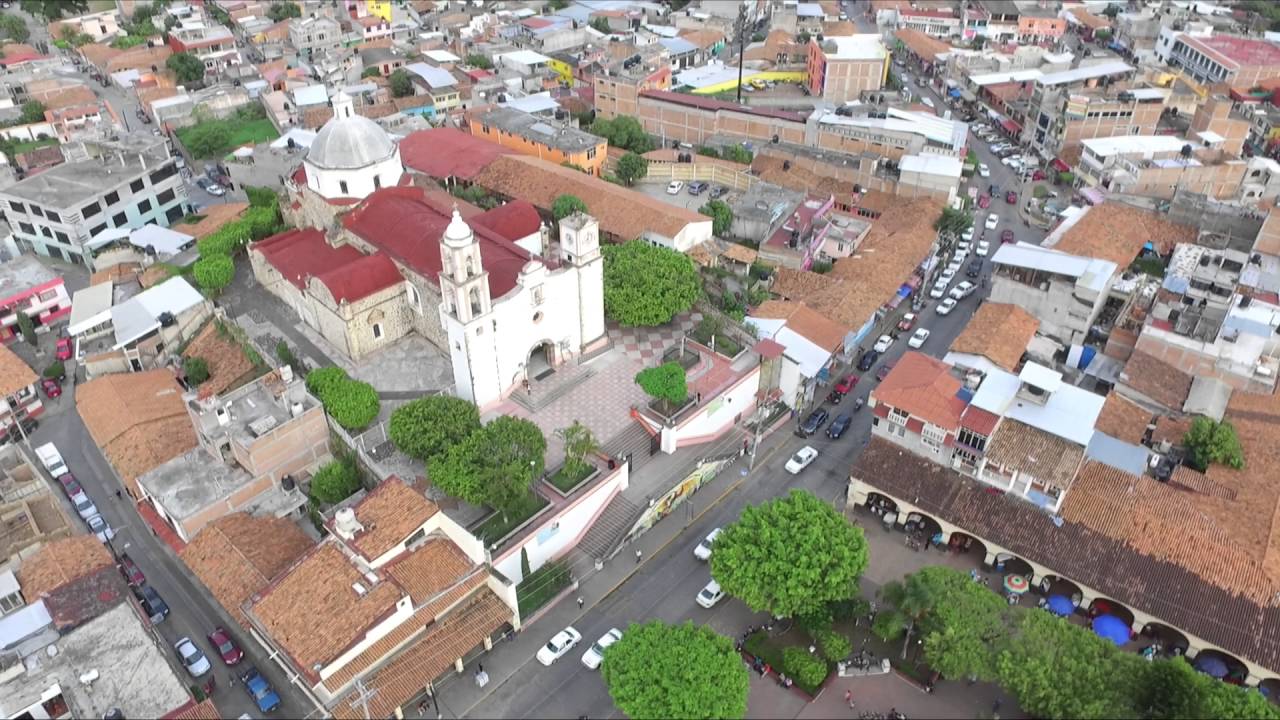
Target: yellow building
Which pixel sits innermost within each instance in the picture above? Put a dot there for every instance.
(561, 68)
(381, 8)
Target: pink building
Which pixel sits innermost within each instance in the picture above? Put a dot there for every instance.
(29, 286)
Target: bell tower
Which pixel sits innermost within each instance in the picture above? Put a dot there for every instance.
(464, 284)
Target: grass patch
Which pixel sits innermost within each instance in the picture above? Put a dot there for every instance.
(256, 131)
(30, 145)
(567, 478)
(725, 345)
(1153, 266)
(541, 585)
(762, 646)
(496, 526)
(215, 137)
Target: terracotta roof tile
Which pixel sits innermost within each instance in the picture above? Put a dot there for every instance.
(389, 514)
(1156, 379)
(794, 284)
(238, 555)
(228, 364)
(61, 562)
(1000, 332)
(922, 45)
(431, 568)
(203, 710)
(1116, 232)
(214, 217)
(740, 253)
(1170, 429)
(803, 321)
(924, 388)
(314, 611)
(1192, 480)
(15, 374)
(702, 38)
(1123, 419)
(1018, 446)
(448, 152)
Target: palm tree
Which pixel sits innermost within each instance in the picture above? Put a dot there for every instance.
(911, 601)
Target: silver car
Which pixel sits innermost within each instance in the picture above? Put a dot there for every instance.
(192, 657)
(84, 506)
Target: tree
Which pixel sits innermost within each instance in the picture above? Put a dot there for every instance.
(283, 10)
(369, 72)
(1173, 689)
(758, 37)
(1214, 442)
(427, 427)
(196, 370)
(790, 556)
(664, 382)
(353, 404)
(833, 645)
(579, 442)
(54, 9)
(675, 671)
(476, 60)
(565, 205)
(207, 139)
(803, 38)
(32, 112)
(953, 222)
(495, 465)
(13, 28)
(623, 132)
(601, 25)
(214, 272)
(721, 216)
(335, 481)
(738, 154)
(632, 167)
(55, 370)
(401, 85)
(26, 327)
(807, 670)
(186, 66)
(322, 381)
(646, 285)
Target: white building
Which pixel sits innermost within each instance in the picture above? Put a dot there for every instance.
(351, 156)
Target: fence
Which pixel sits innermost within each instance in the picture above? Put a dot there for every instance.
(705, 171)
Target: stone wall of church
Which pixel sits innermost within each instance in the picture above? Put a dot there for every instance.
(313, 211)
(276, 284)
(351, 326)
(426, 316)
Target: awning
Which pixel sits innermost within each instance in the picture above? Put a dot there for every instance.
(954, 92)
(1010, 126)
(1061, 166)
(904, 291)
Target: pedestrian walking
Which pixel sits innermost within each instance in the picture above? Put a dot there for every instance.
(422, 708)
(638, 555)
(118, 495)
(580, 603)
(848, 697)
(744, 446)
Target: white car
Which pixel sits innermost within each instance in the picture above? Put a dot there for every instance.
(939, 289)
(801, 460)
(917, 340)
(192, 658)
(992, 221)
(984, 247)
(946, 306)
(927, 102)
(962, 291)
(964, 245)
(710, 595)
(556, 647)
(703, 551)
(947, 275)
(960, 256)
(883, 343)
(84, 506)
(983, 170)
(100, 528)
(967, 235)
(674, 187)
(595, 654)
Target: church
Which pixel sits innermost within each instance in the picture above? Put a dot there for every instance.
(375, 257)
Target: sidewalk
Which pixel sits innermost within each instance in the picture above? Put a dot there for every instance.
(458, 693)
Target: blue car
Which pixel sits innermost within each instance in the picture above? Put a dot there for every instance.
(839, 425)
(260, 690)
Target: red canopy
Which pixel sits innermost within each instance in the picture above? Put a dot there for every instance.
(1061, 166)
(1011, 126)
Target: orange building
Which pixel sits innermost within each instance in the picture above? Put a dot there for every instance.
(541, 137)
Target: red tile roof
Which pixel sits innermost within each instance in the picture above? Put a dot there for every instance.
(447, 152)
(407, 223)
(513, 221)
(361, 278)
(925, 388)
(348, 274)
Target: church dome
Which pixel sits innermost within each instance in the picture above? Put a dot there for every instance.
(349, 143)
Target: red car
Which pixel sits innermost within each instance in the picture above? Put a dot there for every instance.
(50, 387)
(227, 648)
(1006, 236)
(984, 200)
(69, 484)
(841, 389)
(63, 349)
(908, 321)
(132, 573)
(1038, 175)
(1011, 198)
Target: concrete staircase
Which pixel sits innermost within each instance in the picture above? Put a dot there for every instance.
(633, 441)
(607, 531)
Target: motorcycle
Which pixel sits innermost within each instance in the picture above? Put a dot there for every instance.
(857, 404)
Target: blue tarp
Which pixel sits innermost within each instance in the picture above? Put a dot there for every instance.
(954, 92)
(1060, 605)
(1111, 628)
(1086, 356)
(904, 291)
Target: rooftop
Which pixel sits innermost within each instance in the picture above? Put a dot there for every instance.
(999, 332)
(446, 152)
(1236, 51)
(348, 274)
(1157, 379)
(1123, 419)
(1116, 232)
(1043, 455)
(141, 314)
(23, 274)
(1126, 144)
(75, 577)
(15, 374)
(1067, 411)
(704, 103)
(539, 130)
(138, 419)
(855, 47)
(71, 184)
(389, 514)
(925, 388)
(435, 78)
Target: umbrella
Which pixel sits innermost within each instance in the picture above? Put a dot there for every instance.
(1212, 666)
(1059, 605)
(1016, 584)
(1112, 628)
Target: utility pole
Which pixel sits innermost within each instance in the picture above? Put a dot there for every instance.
(363, 696)
(740, 27)
(755, 444)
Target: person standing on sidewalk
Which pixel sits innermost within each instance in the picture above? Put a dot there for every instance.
(580, 603)
(638, 556)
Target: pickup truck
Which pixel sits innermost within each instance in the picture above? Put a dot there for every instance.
(260, 690)
(52, 460)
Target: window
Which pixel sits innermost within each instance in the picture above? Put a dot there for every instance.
(412, 292)
(137, 185)
(165, 197)
(53, 216)
(144, 206)
(17, 206)
(342, 186)
(174, 214)
(972, 439)
(112, 198)
(933, 436)
(537, 296)
(62, 237)
(165, 172)
(377, 182)
(97, 229)
(46, 232)
(377, 330)
(898, 417)
(48, 295)
(119, 220)
(90, 210)
(591, 154)
(35, 210)
(27, 228)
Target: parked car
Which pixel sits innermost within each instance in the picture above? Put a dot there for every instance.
(840, 425)
(51, 388)
(557, 646)
(595, 654)
(967, 235)
(813, 423)
(703, 550)
(938, 290)
(907, 322)
(984, 201)
(710, 595)
(992, 221)
(1006, 236)
(227, 649)
(1038, 175)
(841, 389)
(100, 529)
(885, 369)
(975, 267)
(84, 506)
(63, 349)
(963, 246)
(983, 170)
(1011, 198)
(697, 187)
(215, 190)
(69, 485)
(917, 339)
(959, 258)
(132, 573)
(718, 191)
(867, 360)
(801, 460)
(946, 306)
(883, 343)
(260, 690)
(948, 274)
(674, 187)
(152, 604)
(963, 290)
(192, 657)
(984, 247)
(15, 433)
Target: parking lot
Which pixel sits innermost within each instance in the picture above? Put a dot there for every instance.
(658, 189)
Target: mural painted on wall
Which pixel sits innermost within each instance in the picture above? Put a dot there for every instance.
(673, 498)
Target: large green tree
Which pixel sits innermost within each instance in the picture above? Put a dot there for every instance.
(721, 216)
(1213, 442)
(495, 465)
(186, 66)
(1173, 689)
(13, 28)
(953, 222)
(623, 132)
(401, 84)
(351, 403)
(283, 10)
(54, 9)
(632, 167)
(675, 671)
(791, 556)
(426, 427)
(32, 112)
(335, 481)
(645, 285)
(565, 205)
